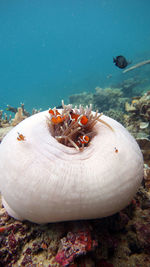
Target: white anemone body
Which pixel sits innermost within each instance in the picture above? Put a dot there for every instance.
(44, 181)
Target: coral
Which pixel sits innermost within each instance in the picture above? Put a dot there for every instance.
(74, 245)
(24, 111)
(4, 121)
(19, 116)
(138, 116)
(21, 243)
(105, 99)
(144, 144)
(102, 100)
(115, 114)
(140, 107)
(143, 235)
(83, 99)
(12, 109)
(147, 175)
(130, 87)
(118, 240)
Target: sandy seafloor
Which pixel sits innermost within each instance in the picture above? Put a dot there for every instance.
(120, 240)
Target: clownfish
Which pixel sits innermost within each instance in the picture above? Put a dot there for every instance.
(56, 116)
(53, 112)
(83, 121)
(116, 150)
(83, 139)
(21, 137)
(74, 117)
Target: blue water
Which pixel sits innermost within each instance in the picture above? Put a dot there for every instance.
(52, 49)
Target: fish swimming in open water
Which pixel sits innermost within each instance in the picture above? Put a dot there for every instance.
(120, 62)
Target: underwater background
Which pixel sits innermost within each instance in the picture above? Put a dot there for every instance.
(50, 50)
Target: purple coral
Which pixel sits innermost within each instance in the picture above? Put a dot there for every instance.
(74, 245)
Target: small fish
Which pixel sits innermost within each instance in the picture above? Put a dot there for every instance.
(83, 139)
(21, 137)
(53, 112)
(74, 117)
(116, 150)
(120, 62)
(83, 121)
(56, 117)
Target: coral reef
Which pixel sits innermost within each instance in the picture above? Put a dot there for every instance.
(137, 121)
(119, 240)
(107, 100)
(75, 244)
(4, 120)
(117, 115)
(138, 116)
(129, 87)
(24, 111)
(83, 99)
(20, 114)
(144, 144)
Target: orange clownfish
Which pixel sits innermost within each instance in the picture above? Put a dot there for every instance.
(21, 137)
(56, 116)
(83, 121)
(74, 117)
(116, 150)
(83, 139)
(53, 112)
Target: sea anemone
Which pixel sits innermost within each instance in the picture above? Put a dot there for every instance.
(68, 164)
(73, 127)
